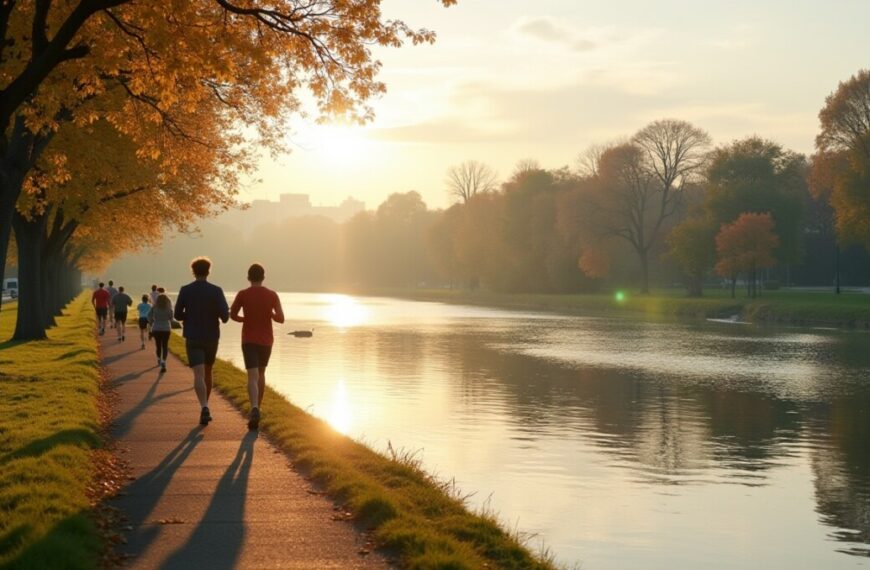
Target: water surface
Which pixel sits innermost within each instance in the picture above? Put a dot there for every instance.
(621, 444)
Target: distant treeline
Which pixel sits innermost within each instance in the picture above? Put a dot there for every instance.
(522, 237)
(661, 207)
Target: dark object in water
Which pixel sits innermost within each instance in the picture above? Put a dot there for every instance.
(303, 334)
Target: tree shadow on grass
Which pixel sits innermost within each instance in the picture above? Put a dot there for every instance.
(70, 354)
(220, 534)
(11, 344)
(79, 437)
(71, 543)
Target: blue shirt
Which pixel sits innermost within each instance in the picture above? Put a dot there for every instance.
(199, 306)
(144, 309)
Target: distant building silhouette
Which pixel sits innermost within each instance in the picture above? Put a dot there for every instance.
(290, 206)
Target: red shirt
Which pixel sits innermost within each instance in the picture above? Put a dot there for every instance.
(101, 298)
(257, 304)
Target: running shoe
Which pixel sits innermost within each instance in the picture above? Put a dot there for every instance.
(163, 367)
(254, 419)
(142, 347)
(204, 417)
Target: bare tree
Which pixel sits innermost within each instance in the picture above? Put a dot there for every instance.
(470, 178)
(588, 160)
(676, 151)
(641, 183)
(526, 165)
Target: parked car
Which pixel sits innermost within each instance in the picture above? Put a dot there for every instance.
(10, 287)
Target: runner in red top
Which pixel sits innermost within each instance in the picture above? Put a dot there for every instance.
(260, 306)
(100, 301)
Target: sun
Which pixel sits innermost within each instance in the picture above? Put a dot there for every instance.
(339, 145)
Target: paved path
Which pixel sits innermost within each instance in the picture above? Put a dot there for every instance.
(217, 497)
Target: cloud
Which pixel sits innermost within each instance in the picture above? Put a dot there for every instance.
(547, 29)
(736, 38)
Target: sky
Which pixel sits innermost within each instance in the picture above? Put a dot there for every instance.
(509, 80)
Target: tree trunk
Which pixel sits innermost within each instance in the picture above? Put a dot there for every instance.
(5, 234)
(644, 276)
(696, 285)
(31, 314)
(733, 286)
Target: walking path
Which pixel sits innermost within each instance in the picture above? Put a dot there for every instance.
(217, 497)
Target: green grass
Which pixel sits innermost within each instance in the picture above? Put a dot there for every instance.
(49, 424)
(423, 521)
(793, 307)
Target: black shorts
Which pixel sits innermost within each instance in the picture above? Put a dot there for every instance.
(102, 312)
(121, 317)
(143, 323)
(201, 352)
(256, 355)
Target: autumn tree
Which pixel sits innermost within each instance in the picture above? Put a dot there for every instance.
(641, 183)
(692, 246)
(87, 169)
(469, 179)
(746, 245)
(843, 158)
(758, 175)
(251, 58)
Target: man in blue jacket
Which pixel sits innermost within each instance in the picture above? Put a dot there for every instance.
(200, 305)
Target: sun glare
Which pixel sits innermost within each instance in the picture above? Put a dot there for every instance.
(344, 311)
(338, 145)
(341, 415)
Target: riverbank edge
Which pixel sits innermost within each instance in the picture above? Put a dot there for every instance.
(421, 521)
(57, 465)
(825, 312)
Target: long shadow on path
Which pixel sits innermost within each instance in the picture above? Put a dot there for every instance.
(217, 541)
(145, 492)
(123, 424)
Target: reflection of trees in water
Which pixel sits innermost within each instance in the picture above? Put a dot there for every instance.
(672, 435)
(662, 424)
(840, 460)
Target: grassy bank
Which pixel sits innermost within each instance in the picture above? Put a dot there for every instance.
(791, 307)
(419, 519)
(49, 424)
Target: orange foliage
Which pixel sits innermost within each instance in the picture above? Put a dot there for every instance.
(747, 244)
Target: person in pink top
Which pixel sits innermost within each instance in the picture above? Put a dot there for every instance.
(259, 306)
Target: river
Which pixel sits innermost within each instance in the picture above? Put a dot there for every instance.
(615, 443)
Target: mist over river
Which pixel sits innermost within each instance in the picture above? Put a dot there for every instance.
(620, 443)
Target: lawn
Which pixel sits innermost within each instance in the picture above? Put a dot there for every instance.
(795, 307)
(49, 425)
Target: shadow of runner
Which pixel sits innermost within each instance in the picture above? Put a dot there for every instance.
(122, 424)
(218, 546)
(115, 358)
(144, 493)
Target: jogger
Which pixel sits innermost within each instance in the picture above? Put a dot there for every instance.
(100, 301)
(120, 302)
(144, 308)
(200, 306)
(260, 306)
(160, 318)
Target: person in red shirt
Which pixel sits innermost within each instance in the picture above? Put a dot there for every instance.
(260, 306)
(100, 301)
